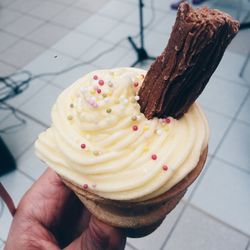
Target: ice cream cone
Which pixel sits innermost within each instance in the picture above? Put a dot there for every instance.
(137, 219)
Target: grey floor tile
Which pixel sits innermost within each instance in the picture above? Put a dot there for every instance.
(218, 125)
(246, 70)
(127, 60)
(223, 96)
(4, 114)
(21, 53)
(23, 25)
(117, 10)
(150, 17)
(33, 87)
(1, 244)
(155, 42)
(244, 113)
(128, 247)
(40, 105)
(248, 248)
(71, 17)
(122, 31)
(47, 10)
(163, 5)
(24, 5)
(224, 192)
(92, 6)
(49, 61)
(65, 80)
(7, 16)
(66, 2)
(6, 40)
(48, 34)
(195, 184)
(236, 146)
(107, 60)
(20, 138)
(157, 238)
(97, 26)
(30, 164)
(6, 69)
(165, 24)
(5, 3)
(230, 67)
(74, 44)
(240, 43)
(16, 184)
(196, 231)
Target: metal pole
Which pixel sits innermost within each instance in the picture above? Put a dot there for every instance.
(141, 5)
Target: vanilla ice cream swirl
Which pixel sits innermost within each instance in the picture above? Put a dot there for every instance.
(100, 140)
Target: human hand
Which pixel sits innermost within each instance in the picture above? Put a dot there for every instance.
(51, 217)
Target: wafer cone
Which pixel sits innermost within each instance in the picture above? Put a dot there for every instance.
(137, 219)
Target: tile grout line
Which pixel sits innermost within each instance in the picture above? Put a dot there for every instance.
(232, 165)
(217, 112)
(205, 170)
(217, 220)
(25, 174)
(248, 245)
(45, 21)
(245, 84)
(23, 38)
(28, 116)
(186, 203)
(219, 144)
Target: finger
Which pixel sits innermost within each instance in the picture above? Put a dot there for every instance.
(99, 236)
(46, 199)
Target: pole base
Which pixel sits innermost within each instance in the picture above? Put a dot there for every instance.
(142, 54)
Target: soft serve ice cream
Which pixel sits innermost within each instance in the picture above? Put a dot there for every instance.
(100, 140)
(129, 142)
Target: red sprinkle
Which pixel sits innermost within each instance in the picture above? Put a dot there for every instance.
(83, 146)
(154, 157)
(168, 120)
(136, 84)
(101, 82)
(135, 127)
(85, 186)
(99, 91)
(95, 77)
(165, 167)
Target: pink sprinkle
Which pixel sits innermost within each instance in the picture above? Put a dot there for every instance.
(85, 186)
(95, 77)
(94, 185)
(135, 127)
(167, 120)
(99, 91)
(136, 84)
(154, 157)
(165, 167)
(83, 146)
(101, 82)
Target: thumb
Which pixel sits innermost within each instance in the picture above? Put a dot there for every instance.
(98, 236)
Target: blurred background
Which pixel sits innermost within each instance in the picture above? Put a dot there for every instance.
(54, 35)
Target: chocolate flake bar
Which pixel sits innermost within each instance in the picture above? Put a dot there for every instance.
(179, 75)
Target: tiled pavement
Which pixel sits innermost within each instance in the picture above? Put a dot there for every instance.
(45, 36)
